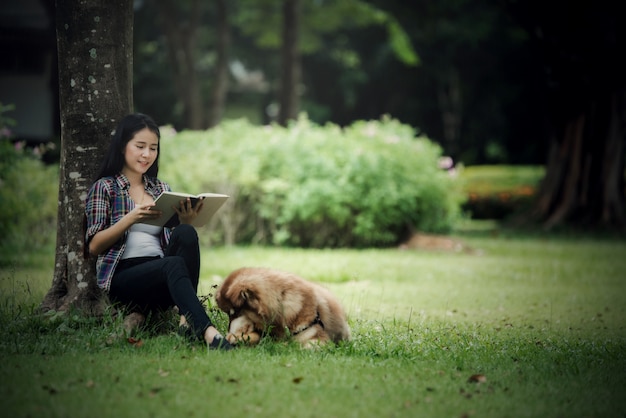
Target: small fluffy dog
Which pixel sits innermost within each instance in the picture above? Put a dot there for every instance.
(278, 303)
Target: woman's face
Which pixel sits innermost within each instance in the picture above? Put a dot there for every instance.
(140, 152)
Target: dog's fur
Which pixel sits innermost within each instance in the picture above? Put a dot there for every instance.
(277, 303)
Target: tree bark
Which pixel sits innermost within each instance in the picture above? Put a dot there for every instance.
(220, 83)
(584, 183)
(95, 57)
(181, 37)
(613, 210)
(450, 102)
(585, 92)
(291, 66)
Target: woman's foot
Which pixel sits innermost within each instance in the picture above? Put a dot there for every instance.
(132, 322)
(215, 341)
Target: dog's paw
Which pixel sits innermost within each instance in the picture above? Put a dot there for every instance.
(231, 338)
(251, 338)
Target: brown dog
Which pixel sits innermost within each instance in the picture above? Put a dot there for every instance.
(261, 300)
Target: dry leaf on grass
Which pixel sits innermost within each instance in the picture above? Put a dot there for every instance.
(477, 378)
(136, 342)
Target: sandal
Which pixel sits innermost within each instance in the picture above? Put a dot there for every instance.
(219, 343)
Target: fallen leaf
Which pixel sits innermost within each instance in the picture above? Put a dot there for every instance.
(477, 378)
(136, 342)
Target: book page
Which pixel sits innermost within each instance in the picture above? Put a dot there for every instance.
(168, 200)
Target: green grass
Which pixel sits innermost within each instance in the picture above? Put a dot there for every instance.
(542, 318)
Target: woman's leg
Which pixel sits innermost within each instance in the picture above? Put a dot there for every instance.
(172, 280)
(184, 243)
(159, 284)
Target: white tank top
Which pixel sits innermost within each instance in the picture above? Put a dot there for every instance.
(143, 241)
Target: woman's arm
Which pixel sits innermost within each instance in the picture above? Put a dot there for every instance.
(105, 238)
(100, 232)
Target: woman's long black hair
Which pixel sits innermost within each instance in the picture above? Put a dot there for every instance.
(125, 131)
(114, 159)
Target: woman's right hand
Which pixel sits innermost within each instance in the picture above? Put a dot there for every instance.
(142, 213)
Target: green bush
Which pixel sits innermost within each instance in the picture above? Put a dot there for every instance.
(28, 197)
(369, 184)
(28, 203)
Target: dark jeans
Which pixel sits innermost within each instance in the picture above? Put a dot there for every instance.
(156, 284)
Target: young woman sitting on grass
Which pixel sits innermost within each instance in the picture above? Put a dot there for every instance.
(146, 268)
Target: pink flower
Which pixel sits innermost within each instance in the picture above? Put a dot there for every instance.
(446, 163)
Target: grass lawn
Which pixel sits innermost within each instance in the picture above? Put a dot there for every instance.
(511, 327)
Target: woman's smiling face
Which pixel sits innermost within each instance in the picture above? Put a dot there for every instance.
(140, 152)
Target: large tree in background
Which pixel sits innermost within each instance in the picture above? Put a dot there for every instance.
(217, 99)
(186, 51)
(95, 56)
(301, 28)
(536, 78)
(180, 21)
(269, 39)
(582, 46)
(291, 67)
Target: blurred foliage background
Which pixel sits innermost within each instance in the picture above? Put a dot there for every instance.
(412, 115)
(370, 184)
(461, 72)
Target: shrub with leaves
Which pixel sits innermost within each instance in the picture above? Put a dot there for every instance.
(28, 202)
(369, 184)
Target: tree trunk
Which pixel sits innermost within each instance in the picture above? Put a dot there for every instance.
(450, 102)
(95, 56)
(585, 99)
(584, 182)
(181, 36)
(220, 86)
(290, 80)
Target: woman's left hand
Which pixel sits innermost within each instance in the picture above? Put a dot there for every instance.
(187, 213)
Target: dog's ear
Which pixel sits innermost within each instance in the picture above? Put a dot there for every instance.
(231, 294)
(247, 295)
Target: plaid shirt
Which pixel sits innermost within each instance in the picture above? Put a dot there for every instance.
(107, 202)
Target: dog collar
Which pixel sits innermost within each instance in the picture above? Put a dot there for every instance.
(316, 321)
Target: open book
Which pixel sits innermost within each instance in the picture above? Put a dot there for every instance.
(167, 200)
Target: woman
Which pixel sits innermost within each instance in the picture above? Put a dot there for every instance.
(141, 266)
